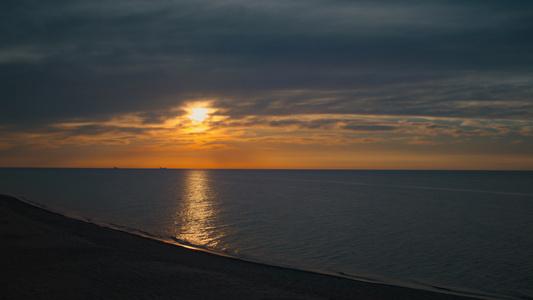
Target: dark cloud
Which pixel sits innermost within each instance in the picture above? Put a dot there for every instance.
(357, 127)
(159, 117)
(94, 130)
(92, 60)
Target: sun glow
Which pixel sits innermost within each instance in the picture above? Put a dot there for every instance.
(199, 114)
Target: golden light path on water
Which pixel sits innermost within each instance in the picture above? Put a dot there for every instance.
(195, 217)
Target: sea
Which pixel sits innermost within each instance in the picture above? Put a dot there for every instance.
(459, 232)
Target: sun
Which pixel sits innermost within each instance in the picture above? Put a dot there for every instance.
(199, 114)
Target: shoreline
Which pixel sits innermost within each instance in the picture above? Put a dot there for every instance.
(47, 255)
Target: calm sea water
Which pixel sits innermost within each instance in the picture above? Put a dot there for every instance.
(464, 231)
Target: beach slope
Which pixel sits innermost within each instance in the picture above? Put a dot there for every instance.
(45, 255)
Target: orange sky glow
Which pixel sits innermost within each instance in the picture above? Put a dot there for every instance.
(203, 137)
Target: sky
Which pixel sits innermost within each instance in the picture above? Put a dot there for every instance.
(280, 84)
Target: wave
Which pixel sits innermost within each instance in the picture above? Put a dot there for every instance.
(416, 187)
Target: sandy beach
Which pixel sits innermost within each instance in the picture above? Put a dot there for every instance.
(48, 256)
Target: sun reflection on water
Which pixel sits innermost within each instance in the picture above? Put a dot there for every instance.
(196, 216)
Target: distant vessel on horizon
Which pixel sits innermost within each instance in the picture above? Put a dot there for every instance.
(161, 168)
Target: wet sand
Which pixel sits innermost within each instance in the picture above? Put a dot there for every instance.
(44, 255)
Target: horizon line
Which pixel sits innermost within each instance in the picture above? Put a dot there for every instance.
(265, 169)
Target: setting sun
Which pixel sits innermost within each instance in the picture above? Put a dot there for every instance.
(199, 114)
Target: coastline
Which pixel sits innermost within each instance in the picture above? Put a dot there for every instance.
(47, 255)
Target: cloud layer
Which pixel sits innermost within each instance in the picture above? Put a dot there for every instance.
(416, 68)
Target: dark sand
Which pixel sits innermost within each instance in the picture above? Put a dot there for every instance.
(48, 256)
